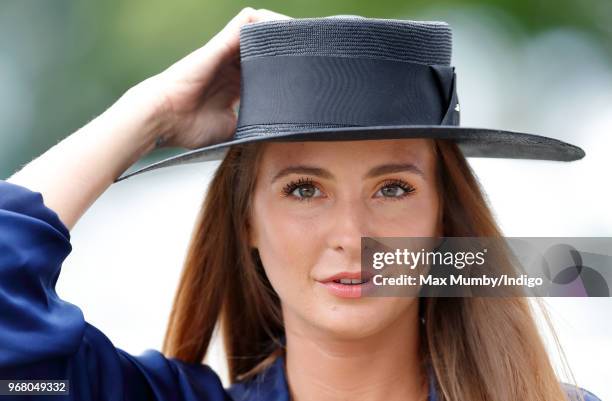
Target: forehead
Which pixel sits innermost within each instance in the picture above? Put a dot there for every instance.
(348, 154)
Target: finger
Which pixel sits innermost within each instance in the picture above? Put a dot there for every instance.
(228, 39)
(263, 14)
(199, 62)
(223, 47)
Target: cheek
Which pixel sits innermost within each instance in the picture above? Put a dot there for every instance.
(415, 217)
(283, 232)
(287, 247)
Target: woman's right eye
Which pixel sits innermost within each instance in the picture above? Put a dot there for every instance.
(305, 191)
(302, 190)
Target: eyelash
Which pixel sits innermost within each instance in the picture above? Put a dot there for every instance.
(293, 185)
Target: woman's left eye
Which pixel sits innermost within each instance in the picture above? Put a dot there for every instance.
(396, 189)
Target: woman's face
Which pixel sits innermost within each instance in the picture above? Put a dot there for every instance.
(314, 201)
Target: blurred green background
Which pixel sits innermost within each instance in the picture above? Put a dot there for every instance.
(63, 62)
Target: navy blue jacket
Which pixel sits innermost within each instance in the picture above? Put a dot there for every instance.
(45, 337)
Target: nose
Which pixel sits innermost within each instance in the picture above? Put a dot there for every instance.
(349, 221)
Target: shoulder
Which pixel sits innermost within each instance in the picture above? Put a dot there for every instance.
(270, 384)
(170, 378)
(261, 387)
(573, 391)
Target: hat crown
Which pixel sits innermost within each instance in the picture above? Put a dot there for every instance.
(424, 42)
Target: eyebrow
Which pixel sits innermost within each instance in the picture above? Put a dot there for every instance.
(374, 172)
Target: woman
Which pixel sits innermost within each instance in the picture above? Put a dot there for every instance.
(289, 333)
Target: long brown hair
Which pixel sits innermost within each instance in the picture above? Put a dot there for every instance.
(480, 349)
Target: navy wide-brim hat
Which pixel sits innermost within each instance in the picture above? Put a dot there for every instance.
(348, 77)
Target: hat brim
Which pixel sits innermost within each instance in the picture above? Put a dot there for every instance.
(473, 142)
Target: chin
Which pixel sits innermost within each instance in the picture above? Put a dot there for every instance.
(351, 322)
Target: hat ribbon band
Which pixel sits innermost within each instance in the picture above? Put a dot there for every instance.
(346, 91)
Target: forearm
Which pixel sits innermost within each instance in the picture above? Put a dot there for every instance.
(75, 172)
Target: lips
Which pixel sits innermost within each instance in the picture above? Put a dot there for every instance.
(353, 285)
(363, 276)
